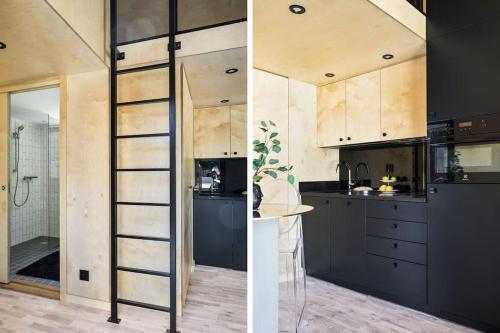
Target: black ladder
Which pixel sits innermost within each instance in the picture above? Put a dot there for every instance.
(116, 56)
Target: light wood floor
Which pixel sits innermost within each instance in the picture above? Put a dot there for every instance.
(334, 309)
(216, 303)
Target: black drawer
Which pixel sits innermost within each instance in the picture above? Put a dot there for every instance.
(406, 231)
(404, 282)
(397, 210)
(413, 252)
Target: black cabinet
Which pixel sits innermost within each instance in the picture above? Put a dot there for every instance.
(348, 236)
(464, 245)
(219, 232)
(317, 237)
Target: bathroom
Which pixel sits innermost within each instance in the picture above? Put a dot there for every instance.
(34, 187)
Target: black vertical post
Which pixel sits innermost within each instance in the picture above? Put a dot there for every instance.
(114, 305)
(172, 11)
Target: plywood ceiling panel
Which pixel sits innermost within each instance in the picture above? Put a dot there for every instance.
(40, 44)
(208, 81)
(344, 37)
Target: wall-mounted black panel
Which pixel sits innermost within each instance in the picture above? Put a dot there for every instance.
(463, 72)
(444, 16)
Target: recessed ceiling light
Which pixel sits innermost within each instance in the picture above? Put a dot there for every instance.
(297, 9)
(3, 45)
(231, 70)
(224, 101)
(329, 74)
(388, 56)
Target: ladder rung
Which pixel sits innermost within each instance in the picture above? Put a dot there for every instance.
(142, 271)
(142, 68)
(152, 135)
(157, 239)
(143, 305)
(142, 203)
(144, 101)
(142, 169)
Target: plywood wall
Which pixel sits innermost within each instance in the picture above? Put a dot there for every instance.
(292, 106)
(87, 18)
(87, 184)
(4, 194)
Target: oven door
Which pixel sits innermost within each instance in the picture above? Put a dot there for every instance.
(475, 163)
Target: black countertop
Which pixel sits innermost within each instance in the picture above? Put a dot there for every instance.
(219, 196)
(373, 195)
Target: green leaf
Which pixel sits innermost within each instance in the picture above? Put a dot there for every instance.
(263, 123)
(282, 168)
(256, 142)
(256, 164)
(271, 173)
(273, 161)
(276, 149)
(272, 123)
(273, 135)
(276, 142)
(263, 129)
(290, 179)
(290, 167)
(257, 179)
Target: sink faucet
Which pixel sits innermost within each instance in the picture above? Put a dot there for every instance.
(350, 183)
(367, 169)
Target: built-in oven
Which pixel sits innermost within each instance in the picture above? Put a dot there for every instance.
(465, 150)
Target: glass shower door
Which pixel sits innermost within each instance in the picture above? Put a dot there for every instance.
(53, 183)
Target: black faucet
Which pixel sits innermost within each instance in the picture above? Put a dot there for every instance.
(367, 169)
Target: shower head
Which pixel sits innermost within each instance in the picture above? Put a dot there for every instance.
(20, 128)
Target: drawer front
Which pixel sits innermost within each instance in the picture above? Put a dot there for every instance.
(406, 231)
(406, 282)
(397, 210)
(397, 249)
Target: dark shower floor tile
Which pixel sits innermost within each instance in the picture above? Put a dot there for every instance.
(26, 253)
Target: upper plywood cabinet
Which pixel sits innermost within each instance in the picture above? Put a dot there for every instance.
(343, 37)
(40, 44)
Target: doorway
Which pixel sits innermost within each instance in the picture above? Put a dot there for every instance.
(34, 187)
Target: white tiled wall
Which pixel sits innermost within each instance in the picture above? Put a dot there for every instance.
(32, 219)
(53, 181)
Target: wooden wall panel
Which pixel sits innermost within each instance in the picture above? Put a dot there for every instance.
(86, 17)
(152, 187)
(363, 108)
(4, 194)
(239, 130)
(138, 253)
(271, 103)
(143, 85)
(87, 159)
(331, 115)
(144, 288)
(150, 152)
(142, 119)
(404, 100)
(212, 132)
(144, 220)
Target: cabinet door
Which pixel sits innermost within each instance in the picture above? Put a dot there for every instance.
(464, 231)
(213, 232)
(404, 110)
(349, 240)
(212, 132)
(363, 108)
(238, 131)
(240, 235)
(317, 241)
(331, 115)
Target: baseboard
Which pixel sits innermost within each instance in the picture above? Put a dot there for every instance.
(32, 289)
(93, 303)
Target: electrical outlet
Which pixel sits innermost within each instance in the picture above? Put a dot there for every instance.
(84, 275)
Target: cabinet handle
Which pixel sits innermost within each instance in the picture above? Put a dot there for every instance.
(348, 138)
(384, 134)
(235, 153)
(341, 139)
(432, 190)
(348, 203)
(225, 153)
(395, 245)
(395, 207)
(395, 225)
(327, 201)
(395, 264)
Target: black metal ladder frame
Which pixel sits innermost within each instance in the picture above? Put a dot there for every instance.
(115, 56)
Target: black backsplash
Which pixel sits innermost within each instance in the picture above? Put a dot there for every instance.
(233, 173)
(407, 162)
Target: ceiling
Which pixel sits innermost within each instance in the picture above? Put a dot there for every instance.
(208, 82)
(39, 44)
(343, 37)
(36, 106)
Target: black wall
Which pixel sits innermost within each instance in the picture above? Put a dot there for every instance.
(463, 58)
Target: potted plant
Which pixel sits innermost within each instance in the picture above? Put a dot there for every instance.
(265, 165)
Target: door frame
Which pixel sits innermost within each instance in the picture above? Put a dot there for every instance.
(5, 92)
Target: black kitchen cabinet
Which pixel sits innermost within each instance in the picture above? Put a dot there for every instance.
(348, 236)
(464, 245)
(317, 237)
(219, 232)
